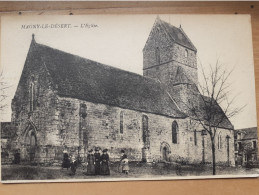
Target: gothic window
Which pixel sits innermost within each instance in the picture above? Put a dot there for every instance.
(145, 131)
(85, 139)
(254, 144)
(195, 137)
(30, 139)
(174, 132)
(157, 55)
(32, 94)
(186, 53)
(239, 145)
(235, 147)
(121, 122)
(238, 135)
(219, 141)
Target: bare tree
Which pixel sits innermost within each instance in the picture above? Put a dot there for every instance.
(211, 105)
(3, 87)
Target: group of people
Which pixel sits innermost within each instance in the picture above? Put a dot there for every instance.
(96, 163)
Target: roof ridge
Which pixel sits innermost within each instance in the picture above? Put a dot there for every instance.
(162, 23)
(86, 65)
(188, 38)
(172, 26)
(98, 63)
(171, 97)
(159, 21)
(247, 128)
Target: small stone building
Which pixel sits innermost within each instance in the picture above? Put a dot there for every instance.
(64, 101)
(7, 132)
(246, 147)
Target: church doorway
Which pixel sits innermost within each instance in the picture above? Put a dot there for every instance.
(165, 151)
(30, 144)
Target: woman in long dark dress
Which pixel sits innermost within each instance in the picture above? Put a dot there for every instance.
(97, 157)
(105, 170)
(66, 161)
(90, 163)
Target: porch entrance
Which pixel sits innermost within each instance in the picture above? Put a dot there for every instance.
(30, 144)
(165, 151)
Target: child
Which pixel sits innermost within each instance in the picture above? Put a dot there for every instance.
(123, 155)
(125, 164)
(73, 165)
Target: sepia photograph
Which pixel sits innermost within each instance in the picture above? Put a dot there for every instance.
(127, 97)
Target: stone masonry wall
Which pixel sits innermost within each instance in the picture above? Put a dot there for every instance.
(158, 38)
(103, 130)
(171, 56)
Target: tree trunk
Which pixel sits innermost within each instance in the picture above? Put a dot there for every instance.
(213, 157)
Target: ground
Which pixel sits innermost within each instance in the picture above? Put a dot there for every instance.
(137, 170)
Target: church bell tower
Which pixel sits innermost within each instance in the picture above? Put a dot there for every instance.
(169, 56)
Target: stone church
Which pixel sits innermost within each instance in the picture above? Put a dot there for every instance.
(66, 102)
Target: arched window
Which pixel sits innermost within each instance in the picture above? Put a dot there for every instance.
(32, 139)
(32, 94)
(145, 131)
(195, 137)
(219, 141)
(174, 132)
(254, 144)
(157, 55)
(121, 122)
(186, 53)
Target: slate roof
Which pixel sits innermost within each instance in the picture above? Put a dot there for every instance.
(198, 106)
(248, 133)
(178, 35)
(84, 79)
(218, 117)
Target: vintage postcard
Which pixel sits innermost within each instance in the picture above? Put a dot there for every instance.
(127, 97)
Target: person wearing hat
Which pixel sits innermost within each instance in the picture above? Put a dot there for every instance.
(121, 158)
(97, 157)
(124, 163)
(90, 163)
(66, 161)
(73, 164)
(105, 170)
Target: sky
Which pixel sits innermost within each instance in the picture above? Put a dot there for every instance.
(118, 40)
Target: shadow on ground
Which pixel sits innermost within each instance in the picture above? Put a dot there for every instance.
(137, 170)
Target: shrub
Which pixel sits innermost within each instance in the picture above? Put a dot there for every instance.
(179, 159)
